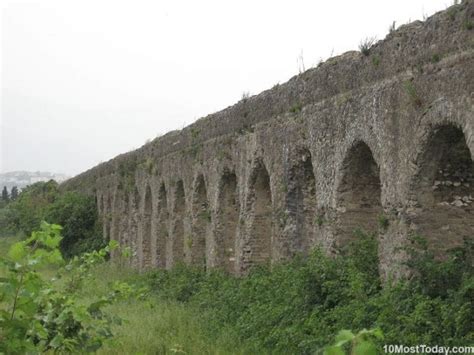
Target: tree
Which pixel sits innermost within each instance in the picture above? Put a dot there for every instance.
(14, 193)
(77, 214)
(5, 196)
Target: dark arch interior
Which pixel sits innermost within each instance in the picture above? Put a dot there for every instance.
(228, 216)
(114, 220)
(147, 230)
(108, 218)
(133, 229)
(177, 242)
(301, 202)
(124, 222)
(445, 189)
(359, 194)
(162, 227)
(201, 223)
(261, 226)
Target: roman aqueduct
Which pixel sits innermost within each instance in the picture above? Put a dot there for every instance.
(382, 141)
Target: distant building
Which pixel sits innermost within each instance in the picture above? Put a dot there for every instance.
(21, 179)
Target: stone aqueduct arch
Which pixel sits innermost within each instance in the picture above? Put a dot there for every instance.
(387, 148)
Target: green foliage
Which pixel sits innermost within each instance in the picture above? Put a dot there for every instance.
(412, 93)
(14, 193)
(5, 195)
(205, 215)
(296, 108)
(319, 220)
(148, 165)
(25, 214)
(195, 132)
(77, 214)
(366, 44)
(376, 61)
(297, 307)
(436, 278)
(452, 11)
(362, 343)
(435, 58)
(383, 222)
(37, 315)
(126, 170)
(468, 25)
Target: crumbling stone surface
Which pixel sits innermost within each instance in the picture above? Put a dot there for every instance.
(383, 142)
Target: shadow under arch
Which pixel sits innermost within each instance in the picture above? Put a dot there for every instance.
(259, 246)
(358, 201)
(161, 227)
(444, 189)
(228, 218)
(301, 201)
(177, 226)
(201, 223)
(134, 220)
(147, 229)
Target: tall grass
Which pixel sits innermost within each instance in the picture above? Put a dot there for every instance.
(156, 326)
(296, 307)
(150, 325)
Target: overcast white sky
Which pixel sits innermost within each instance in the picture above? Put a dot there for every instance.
(83, 81)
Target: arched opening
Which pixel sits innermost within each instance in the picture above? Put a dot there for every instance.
(177, 229)
(133, 226)
(146, 231)
(99, 202)
(124, 222)
(201, 223)
(114, 221)
(108, 219)
(359, 194)
(301, 202)
(162, 227)
(228, 219)
(445, 189)
(261, 227)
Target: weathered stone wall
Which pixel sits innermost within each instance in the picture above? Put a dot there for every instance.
(383, 142)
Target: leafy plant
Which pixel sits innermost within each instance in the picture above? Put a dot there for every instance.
(366, 44)
(376, 61)
(78, 215)
(296, 307)
(296, 108)
(435, 58)
(383, 222)
(392, 27)
(38, 315)
(319, 220)
(412, 93)
(205, 214)
(468, 25)
(362, 343)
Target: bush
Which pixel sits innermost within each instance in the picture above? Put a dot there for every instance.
(298, 306)
(81, 228)
(77, 214)
(25, 214)
(39, 316)
(366, 44)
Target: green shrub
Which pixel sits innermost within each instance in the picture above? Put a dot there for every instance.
(299, 306)
(412, 93)
(77, 214)
(25, 214)
(383, 222)
(38, 316)
(366, 44)
(296, 108)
